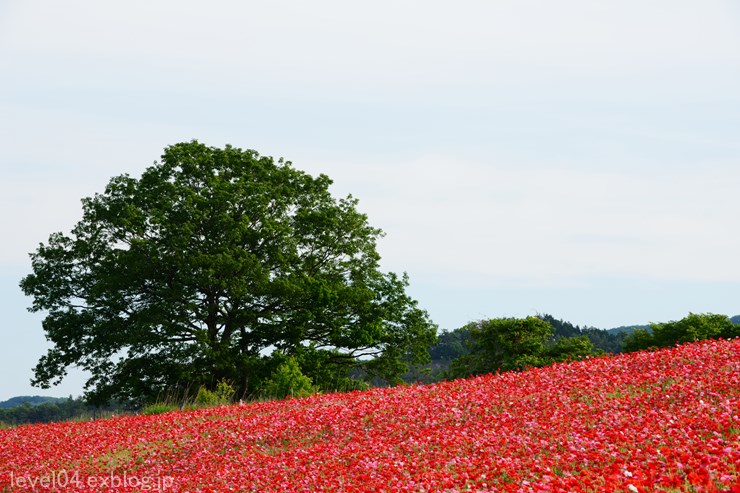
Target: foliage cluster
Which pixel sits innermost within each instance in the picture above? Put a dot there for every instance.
(287, 381)
(57, 410)
(457, 343)
(694, 327)
(223, 394)
(208, 263)
(603, 340)
(506, 344)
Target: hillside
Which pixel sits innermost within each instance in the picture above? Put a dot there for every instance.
(453, 344)
(648, 421)
(630, 328)
(33, 400)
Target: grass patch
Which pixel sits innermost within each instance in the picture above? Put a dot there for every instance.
(160, 408)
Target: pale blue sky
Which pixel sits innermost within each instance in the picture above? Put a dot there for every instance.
(579, 158)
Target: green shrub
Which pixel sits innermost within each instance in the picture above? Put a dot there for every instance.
(287, 381)
(159, 408)
(225, 392)
(208, 398)
(570, 349)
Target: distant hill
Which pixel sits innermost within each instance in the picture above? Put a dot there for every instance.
(627, 329)
(630, 328)
(38, 409)
(453, 344)
(33, 400)
(607, 341)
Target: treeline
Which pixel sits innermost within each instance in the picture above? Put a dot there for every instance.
(506, 344)
(694, 327)
(509, 343)
(484, 346)
(54, 410)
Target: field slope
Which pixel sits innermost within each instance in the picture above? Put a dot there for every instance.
(652, 421)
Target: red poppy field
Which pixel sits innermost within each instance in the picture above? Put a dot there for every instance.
(651, 421)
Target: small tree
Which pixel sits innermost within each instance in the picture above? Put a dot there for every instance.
(288, 381)
(502, 344)
(505, 344)
(223, 394)
(571, 349)
(639, 339)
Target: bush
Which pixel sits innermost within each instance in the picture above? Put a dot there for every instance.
(287, 381)
(159, 408)
(514, 344)
(638, 340)
(571, 349)
(222, 395)
(224, 392)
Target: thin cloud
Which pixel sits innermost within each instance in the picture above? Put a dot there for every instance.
(495, 223)
(398, 45)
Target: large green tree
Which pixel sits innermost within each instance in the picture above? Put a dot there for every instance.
(210, 261)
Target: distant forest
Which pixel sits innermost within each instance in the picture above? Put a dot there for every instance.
(37, 409)
(452, 348)
(455, 344)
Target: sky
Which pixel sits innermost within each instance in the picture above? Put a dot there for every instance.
(578, 158)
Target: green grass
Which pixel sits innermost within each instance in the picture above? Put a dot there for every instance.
(160, 408)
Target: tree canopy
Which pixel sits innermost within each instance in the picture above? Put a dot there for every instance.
(213, 259)
(505, 344)
(693, 327)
